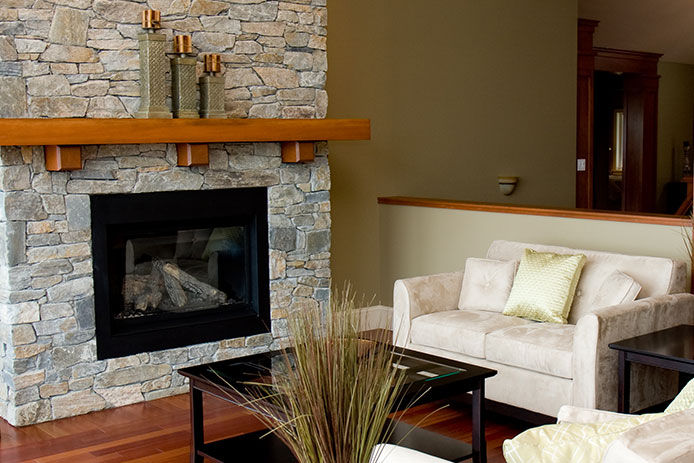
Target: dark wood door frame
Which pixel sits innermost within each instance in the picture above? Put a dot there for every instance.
(584, 114)
(641, 109)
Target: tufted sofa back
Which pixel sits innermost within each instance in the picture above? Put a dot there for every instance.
(656, 275)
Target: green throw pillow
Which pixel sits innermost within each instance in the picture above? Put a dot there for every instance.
(544, 286)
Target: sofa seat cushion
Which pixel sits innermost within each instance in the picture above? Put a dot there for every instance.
(542, 347)
(461, 331)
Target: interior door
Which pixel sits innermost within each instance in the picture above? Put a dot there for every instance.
(640, 161)
(640, 113)
(608, 141)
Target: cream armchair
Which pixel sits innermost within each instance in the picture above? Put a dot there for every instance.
(542, 366)
(586, 436)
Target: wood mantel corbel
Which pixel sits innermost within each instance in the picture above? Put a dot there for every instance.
(60, 158)
(297, 151)
(62, 138)
(192, 154)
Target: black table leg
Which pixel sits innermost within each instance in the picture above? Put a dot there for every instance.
(479, 442)
(624, 391)
(197, 430)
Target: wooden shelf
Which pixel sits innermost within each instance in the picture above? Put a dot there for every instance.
(37, 132)
(62, 138)
(614, 216)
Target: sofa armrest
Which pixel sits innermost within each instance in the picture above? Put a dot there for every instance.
(595, 365)
(417, 296)
(571, 414)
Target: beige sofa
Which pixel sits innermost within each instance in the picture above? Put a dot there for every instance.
(542, 366)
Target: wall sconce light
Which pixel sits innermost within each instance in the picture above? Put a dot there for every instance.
(507, 184)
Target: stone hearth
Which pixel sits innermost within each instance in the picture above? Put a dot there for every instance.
(79, 58)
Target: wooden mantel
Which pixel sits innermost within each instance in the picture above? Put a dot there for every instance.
(296, 135)
(36, 132)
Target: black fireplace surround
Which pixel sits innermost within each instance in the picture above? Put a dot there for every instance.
(178, 268)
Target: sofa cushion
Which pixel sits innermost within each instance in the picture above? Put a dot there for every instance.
(486, 284)
(544, 286)
(656, 275)
(617, 288)
(460, 331)
(543, 347)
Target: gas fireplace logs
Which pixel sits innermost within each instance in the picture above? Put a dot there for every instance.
(190, 283)
(145, 292)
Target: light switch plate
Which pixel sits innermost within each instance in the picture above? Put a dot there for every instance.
(581, 165)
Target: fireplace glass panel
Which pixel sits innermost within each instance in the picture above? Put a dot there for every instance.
(185, 271)
(179, 268)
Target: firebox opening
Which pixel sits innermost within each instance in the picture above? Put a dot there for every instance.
(179, 268)
(190, 270)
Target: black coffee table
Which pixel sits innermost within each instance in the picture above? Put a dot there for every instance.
(442, 378)
(672, 348)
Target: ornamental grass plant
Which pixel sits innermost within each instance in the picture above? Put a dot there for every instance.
(333, 398)
(687, 233)
(688, 238)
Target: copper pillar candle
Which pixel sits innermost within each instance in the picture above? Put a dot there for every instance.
(182, 45)
(213, 63)
(212, 89)
(153, 68)
(183, 85)
(151, 19)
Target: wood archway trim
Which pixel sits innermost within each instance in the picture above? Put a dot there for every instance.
(632, 62)
(641, 104)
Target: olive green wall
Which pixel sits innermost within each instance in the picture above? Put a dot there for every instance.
(675, 120)
(405, 254)
(458, 93)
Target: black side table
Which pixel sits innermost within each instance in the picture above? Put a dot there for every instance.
(672, 348)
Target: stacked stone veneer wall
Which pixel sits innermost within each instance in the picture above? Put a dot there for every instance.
(78, 58)
(48, 350)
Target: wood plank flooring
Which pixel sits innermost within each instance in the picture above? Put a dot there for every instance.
(159, 432)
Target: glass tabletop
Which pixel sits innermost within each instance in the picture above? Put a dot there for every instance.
(239, 374)
(422, 370)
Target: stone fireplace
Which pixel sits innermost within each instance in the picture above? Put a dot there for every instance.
(51, 362)
(79, 59)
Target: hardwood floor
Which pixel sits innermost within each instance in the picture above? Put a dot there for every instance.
(159, 432)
